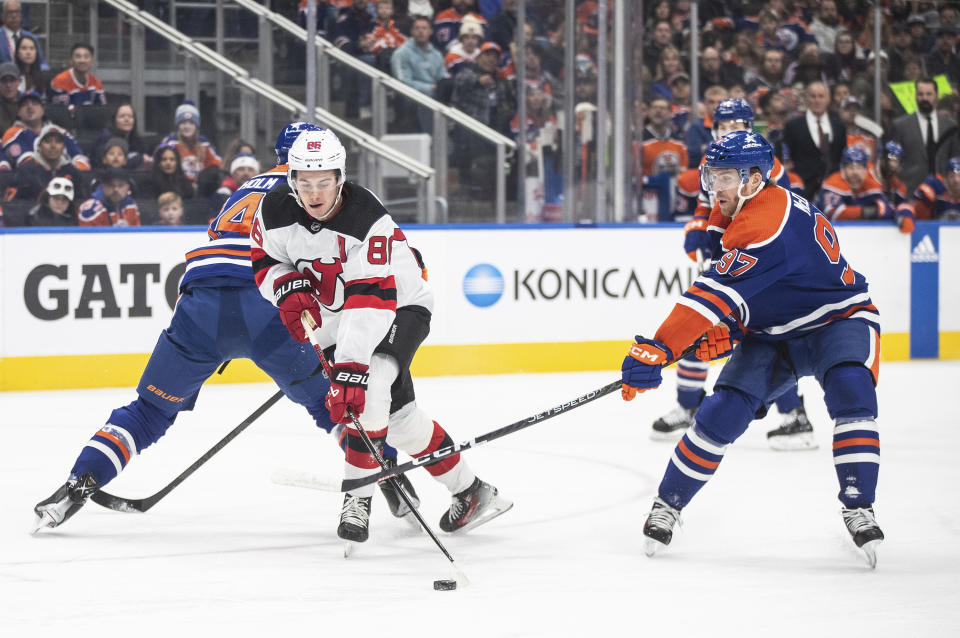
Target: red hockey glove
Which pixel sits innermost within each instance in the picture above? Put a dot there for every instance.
(641, 367)
(905, 220)
(294, 293)
(348, 387)
(695, 236)
(716, 343)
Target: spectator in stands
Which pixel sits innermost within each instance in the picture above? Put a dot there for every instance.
(418, 64)
(388, 33)
(920, 41)
(167, 175)
(467, 47)
(744, 53)
(243, 167)
(446, 26)
(775, 109)
(899, 50)
(326, 15)
(770, 75)
(236, 147)
(846, 62)
(920, 133)
(714, 71)
(807, 68)
(670, 64)
(18, 140)
(680, 103)
(479, 92)
(943, 59)
(77, 86)
(56, 207)
(47, 160)
(123, 125)
(661, 151)
(111, 203)
(170, 211)
(12, 31)
(662, 38)
(700, 134)
(503, 23)
(32, 77)
(196, 152)
(839, 92)
(826, 25)
(353, 34)
(949, 107)
(544, 180)
(815, 140)
(113, 154)
(9, 94)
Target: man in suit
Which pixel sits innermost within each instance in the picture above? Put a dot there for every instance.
(920, 133)
(12, 14)
(815, 140)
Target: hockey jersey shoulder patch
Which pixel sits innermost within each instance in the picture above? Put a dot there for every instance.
(761, 220)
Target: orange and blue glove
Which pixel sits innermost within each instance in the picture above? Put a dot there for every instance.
(642, 367)
(696, 237)
(905, 220)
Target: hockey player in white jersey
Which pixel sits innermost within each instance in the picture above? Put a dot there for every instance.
(327, 246)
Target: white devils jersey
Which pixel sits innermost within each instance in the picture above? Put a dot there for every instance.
(359, 261)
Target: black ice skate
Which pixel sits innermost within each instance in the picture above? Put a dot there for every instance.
(867, 535)
(659, 526)
(476, 505)
(354, 521)
(794, 433)
(65, 502)
(398, 507)
(671, 425)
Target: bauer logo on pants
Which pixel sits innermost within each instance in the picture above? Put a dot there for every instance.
(483, 285)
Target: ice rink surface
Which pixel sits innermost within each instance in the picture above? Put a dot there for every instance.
(763, 550)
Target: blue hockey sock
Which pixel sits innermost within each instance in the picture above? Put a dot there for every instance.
(693, 463)
(852, 402)
(691, 377)
(105, 454)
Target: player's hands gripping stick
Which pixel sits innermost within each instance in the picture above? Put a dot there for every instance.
(906, 220)
(348, 389)
(696, 238)
(294, 294)
(641, 369)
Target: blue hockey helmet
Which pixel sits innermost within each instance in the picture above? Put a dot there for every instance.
(892, 149)
(288, 136)
(740, 150)
(953, 165)
(853, 155)
(733, 110)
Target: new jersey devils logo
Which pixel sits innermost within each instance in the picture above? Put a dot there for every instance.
(327, 280)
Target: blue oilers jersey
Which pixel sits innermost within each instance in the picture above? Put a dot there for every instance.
(227, 254)
(780, 274)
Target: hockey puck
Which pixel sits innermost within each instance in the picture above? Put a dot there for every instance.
(444, 585)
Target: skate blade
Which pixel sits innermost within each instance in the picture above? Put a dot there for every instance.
(793, 443)
(870, 552)
(497, 507)
(348, 548)
(652, 547)
(41, 521)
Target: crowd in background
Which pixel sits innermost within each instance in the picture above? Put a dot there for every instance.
(806, 69)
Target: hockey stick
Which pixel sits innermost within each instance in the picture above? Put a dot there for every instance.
(455, 448)
(121, 504)
(309, 325)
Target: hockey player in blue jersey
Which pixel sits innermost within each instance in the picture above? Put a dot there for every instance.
(220, 315)
(803, 310)
(795, 431)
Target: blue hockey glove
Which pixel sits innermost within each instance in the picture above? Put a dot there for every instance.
(641, 369)
(696, 237)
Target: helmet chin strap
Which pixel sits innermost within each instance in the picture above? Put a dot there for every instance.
(743, 199)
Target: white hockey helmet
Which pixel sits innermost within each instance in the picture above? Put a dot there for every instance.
(319, 150)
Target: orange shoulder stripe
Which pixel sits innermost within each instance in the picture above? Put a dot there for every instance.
(760, 220)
